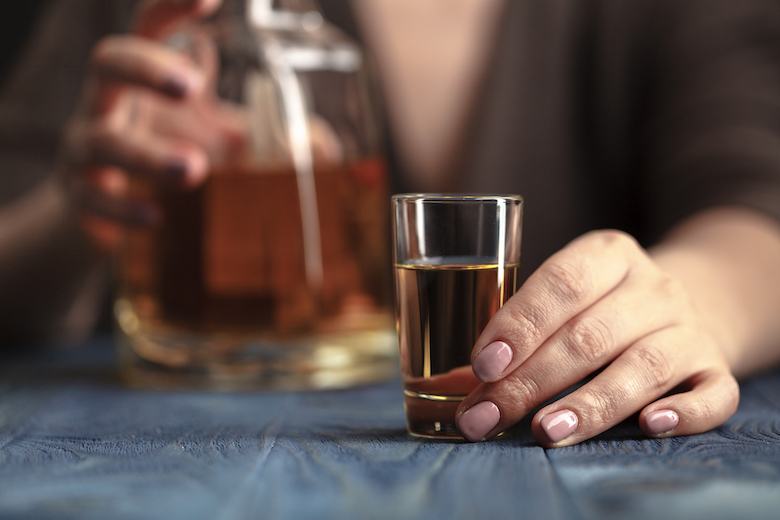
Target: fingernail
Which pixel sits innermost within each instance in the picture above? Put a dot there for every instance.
(176, 171)
(559, 425)
(661, 421)
(479, 420)
(491, 361)
(175, 87)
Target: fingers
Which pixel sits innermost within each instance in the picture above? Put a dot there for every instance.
(713, 398)
(592, 338)
(602, 404)
(566, 284)
(123, 60)
(164, 160)
(574, 317)
(135, 82)
(118, 61)
(101, 195)
(157, 19)
(128, 212)
(586, 343)
(646, 371)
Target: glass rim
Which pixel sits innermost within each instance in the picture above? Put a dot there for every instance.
(458, 197)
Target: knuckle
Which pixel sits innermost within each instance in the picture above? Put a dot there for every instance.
(103, 51)
(730, 388)
(670, 287)
(567, 282)
(528, 323)
(613, 239)
(590, 340)
(521, 389)
(703, 412)
(602, 405)
(654, 364)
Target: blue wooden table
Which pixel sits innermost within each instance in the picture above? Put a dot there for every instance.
(76, 443)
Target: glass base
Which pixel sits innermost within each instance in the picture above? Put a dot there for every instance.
(171, 360)
(432, 416)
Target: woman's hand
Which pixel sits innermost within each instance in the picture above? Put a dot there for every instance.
(149, 111)
(601, 303)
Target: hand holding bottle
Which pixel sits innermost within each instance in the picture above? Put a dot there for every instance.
(148, 110)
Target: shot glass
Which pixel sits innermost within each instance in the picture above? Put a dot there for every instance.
(456, 261)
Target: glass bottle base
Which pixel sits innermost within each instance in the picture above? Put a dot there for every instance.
(169, 360)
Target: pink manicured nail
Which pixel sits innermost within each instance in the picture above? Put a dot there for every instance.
(175, 87)
(479, 420)
(491, 361)
(661, 421)
(559, 425)
(176, 170)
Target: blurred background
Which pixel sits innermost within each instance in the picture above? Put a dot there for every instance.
(17, 18)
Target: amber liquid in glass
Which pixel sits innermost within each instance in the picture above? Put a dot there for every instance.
(441, 309)
(221, 288)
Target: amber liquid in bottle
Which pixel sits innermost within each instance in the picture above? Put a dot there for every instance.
(221, 286)
(442, 308)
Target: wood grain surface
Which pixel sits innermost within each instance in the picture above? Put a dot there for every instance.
(77, 444)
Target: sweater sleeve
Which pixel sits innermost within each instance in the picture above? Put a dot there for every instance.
(52, 281)
(44, 87)
(712, 135)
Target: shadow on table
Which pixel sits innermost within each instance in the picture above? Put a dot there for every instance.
(22, 375)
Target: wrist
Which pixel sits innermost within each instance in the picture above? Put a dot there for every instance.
(728, 260)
